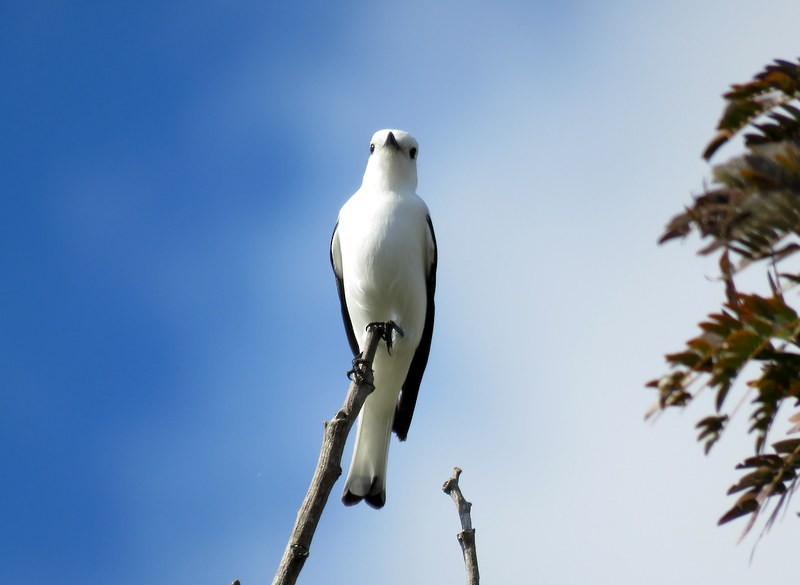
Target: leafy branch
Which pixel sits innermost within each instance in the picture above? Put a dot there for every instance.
(776, 85)
(749, 215)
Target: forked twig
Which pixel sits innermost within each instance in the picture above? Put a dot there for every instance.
(466, 538)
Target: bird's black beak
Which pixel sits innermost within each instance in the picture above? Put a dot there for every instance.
(391, 141)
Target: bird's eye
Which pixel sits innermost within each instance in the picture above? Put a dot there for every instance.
(371, 148)
(412, 153)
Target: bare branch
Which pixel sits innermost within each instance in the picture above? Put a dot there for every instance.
(466, 538)
(329, 465)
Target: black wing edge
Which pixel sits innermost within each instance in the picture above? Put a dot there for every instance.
(410, 391)
(348, 325)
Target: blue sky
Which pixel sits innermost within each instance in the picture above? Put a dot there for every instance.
(170, 341)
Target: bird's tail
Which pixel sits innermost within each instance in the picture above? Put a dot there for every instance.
(367, 477)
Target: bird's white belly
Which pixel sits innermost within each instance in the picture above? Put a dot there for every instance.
(383, 264)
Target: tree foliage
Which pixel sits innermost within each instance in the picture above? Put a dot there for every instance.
(749, 215)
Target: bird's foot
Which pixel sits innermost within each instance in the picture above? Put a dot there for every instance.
(385, 329)
(358, 373)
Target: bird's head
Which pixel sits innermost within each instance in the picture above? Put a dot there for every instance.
(392, 161)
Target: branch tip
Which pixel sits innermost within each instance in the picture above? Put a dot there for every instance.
(466, 538)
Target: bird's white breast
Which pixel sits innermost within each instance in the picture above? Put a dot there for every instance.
(383, 241)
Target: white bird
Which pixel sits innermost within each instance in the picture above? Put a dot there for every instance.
(383, 253)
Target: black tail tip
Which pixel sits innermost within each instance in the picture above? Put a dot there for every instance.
(376, 501)
(350, 499)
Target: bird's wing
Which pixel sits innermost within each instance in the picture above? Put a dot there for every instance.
(336, 263)
(408, 396)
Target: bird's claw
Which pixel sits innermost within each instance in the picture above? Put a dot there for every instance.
(385, 329)
(358, 372)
